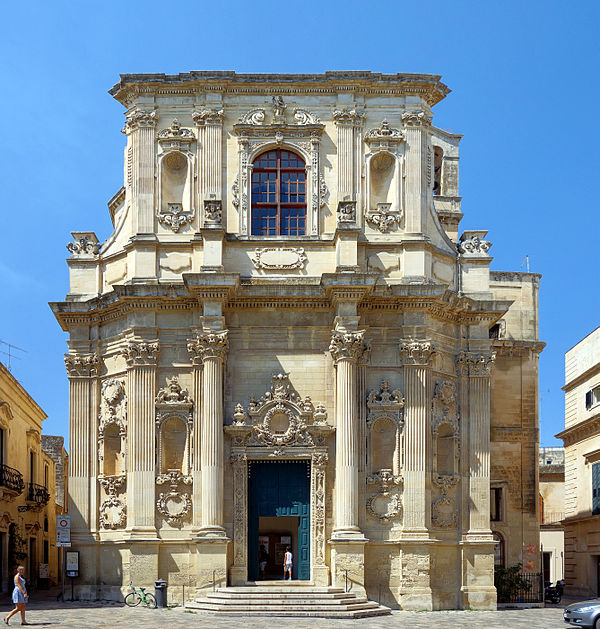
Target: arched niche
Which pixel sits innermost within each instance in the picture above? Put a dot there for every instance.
(438, 162)
(174, 444)
(175, 194)
(384, 181)
(445, 449)
(385, 453)
(112, 459)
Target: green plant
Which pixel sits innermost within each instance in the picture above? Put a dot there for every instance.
(509, 582)
(16, 547)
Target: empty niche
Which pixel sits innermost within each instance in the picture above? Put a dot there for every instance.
(438, 160)
(445, 450)
(384, 447)
(383, 174)
(173, 446)
(175, 190)
(111, 451)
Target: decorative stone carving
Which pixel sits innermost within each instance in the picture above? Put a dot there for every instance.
(349, 116)
(385, 505)
(82, 365)
(317, 506)
(173, 394)
(209, 345)
(385, 403)
(113, 510)
(279, 258)
(417, 352)
(383, 218)
(472, 244)
(213, 212)
(84, 244)
(113, 405)
(174, 505)
(176, 131)
(384, 133)
(416, 119)
(138, 119)
(320, 415)
(208, 117)
(174, 217)
(346, 213)
(240, 508)
(323, 191)
(303, 116)
(239, 416)
(443, 510)
(141, 353)
(254, 117)
(475, 364)
(347, 345)
(279, 108)
(235, 192)
(444, 406)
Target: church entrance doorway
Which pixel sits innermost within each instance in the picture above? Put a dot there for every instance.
(278, 517)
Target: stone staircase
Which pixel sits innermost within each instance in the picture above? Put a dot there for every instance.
(287, 598)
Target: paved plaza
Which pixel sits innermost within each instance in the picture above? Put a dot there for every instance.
(77, 615)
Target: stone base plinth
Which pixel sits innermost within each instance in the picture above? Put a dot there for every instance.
(211, 562)
(415, 592)
(348, 565)
(478, 591)
(320, 575)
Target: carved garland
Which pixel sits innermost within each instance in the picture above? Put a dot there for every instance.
(174, 505)
(113, 510)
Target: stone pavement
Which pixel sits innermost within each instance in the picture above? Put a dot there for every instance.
(79, 615)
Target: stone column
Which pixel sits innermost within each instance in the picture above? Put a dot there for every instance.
(210, 138)
(347, 543)
(196, 439)
(139, 128)
(477, 589)
(415, 590)
(141, 357)
(82, 370)
(347, 121)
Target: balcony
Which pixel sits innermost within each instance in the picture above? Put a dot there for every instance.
(552, 517)
(38, 494)
(11, 481)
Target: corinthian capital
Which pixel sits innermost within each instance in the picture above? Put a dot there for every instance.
(350, 116)
(474, 364)
(208, 116)
(138, 119)
(81, 365)
(209, 345)
(141, 353)
(416, 119)
(347, 345)
(416, 352)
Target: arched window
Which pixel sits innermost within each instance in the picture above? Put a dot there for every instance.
(278, 194)
(499, 550)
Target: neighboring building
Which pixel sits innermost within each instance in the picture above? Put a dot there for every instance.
(27, 489)
(552, 511)
(582, 467)
(285, 341)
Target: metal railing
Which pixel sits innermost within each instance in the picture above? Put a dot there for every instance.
(11, 479)
(37, 493)
(523, 587)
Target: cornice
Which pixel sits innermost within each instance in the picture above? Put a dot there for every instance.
(509, 347)
(583, 430)
(428, 86)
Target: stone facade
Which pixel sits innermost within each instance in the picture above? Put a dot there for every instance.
(581, 438)
(355, 331)
(552, 511)
(27, 490)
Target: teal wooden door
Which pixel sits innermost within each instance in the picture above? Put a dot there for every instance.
(275, 489)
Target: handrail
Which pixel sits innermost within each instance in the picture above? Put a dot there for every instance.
(11, 479)
(37, 493)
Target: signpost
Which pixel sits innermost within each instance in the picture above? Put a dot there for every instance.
(63, 540)
(72, 565)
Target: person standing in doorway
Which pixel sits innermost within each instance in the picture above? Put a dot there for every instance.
(19, 596)
(287, 563)
(263, 560)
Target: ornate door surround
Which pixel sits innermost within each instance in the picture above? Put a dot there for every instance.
(279, 426)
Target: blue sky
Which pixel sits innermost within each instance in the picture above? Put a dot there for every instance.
(524, 93)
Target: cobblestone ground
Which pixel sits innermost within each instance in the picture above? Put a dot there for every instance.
(48, 613)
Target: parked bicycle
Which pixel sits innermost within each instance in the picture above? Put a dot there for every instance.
(139, 595)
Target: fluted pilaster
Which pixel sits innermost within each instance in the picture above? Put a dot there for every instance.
(210, 133)
(141, 359)
(417, 391)
(82, 371)
(347, 121)
(346, 349)
(211, 349)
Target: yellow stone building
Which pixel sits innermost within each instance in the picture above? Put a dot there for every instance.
(581, 437)
(286, 341)
(27, 490)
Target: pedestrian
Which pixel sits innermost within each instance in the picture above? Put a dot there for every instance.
(263, 560)
(19, 596)
(287, 563)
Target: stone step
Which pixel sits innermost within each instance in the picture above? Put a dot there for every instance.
(328, 612)
(211, 606)
(281, 587)
(278, 602)
(332, 596)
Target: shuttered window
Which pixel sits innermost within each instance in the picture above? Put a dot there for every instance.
(596, 489)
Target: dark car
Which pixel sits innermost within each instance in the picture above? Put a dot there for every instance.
(584, 614)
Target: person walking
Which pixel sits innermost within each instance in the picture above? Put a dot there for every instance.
(287, 563)
(19, 596)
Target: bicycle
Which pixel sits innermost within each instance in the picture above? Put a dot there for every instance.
(133, 599)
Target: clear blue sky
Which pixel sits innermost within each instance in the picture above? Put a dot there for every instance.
(524, 80)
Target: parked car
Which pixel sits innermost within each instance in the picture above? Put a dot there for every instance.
(584, 614)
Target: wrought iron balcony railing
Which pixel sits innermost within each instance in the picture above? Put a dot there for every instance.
(11, 479)
(37, 493)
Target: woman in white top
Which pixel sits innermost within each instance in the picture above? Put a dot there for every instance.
(287, 563)
(19, 596)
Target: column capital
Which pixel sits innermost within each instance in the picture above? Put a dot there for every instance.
(138, 119)
(416, 119)
(208, 345)
(141, 353)
(82, 365)
(350, 117)
(347, 345)
(475, 364)
(208, 116)
(417, 352)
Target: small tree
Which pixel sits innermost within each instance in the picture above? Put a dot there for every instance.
(510, 583)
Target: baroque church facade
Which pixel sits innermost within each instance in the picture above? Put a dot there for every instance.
(285, 341)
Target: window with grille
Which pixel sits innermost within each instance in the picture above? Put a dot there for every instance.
(278, 194)
(595, 488)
